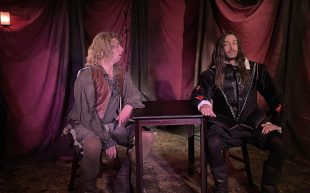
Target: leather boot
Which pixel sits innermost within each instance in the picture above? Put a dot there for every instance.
(121, 183)
(270, 179)
(220, 179)
(89, 180)
(90, 187)
(132, 177)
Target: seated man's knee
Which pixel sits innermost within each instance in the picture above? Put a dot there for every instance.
(148, 137)
(214, 141)
(92, 146)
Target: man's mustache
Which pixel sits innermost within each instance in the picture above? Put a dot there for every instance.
(232, 51)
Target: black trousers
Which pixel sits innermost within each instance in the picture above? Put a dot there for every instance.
(219, 138)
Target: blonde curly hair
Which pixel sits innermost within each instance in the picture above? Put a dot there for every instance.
(101, 47)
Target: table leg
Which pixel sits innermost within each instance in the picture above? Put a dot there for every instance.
(139, 161)
(203, 158)
(191, 150)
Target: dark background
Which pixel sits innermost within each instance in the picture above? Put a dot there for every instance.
(167, 44)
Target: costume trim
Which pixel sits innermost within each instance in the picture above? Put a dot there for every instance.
(248, 93)
(246, 98)
(87, 67)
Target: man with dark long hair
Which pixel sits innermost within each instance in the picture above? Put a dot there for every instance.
(227, 95)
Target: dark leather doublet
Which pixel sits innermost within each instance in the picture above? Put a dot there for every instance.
(236, 102)
(235, 94)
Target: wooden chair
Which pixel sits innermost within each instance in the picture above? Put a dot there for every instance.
(77, 156)
(245, 160)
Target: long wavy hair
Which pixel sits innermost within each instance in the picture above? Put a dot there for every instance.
(101, 47)
(219, 58)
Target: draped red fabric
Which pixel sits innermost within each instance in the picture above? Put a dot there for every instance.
(276, 33)
(253, 24)
(34, 55)
(304, 116)
(33, 52)
(172, 32)
(306, 50)
(298, 77)
(110, 16)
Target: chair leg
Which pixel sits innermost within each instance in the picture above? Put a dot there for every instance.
(74, 167)
(247, 163)
(191, 150)
(245, 160)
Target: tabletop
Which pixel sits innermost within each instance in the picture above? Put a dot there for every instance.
(166, 109)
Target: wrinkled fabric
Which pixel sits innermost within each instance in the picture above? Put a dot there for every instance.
(231, 107)
(34, 64)
(84, 112)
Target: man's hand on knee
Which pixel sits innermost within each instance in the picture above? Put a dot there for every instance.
(268, 127)
(111, 152)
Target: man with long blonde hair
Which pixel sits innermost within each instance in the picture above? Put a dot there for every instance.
(104, 99)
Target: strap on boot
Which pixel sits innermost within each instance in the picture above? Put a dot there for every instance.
(220, 178)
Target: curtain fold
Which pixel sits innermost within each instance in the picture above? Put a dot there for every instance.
(172, 32)
(139, 68)
(254, 25)
(274, 33)
(168, 54)
(33, 67)
(110, 16)
(297, 73)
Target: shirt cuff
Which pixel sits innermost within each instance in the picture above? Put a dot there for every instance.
(204, 102)
(108, 143)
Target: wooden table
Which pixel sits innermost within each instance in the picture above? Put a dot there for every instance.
(163, 113)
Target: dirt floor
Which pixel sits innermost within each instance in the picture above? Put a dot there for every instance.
(165, 170)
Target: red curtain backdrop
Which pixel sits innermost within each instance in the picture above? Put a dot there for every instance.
(259, 29)
(34, 55)
(110, 16)
(172, 39)
(297, 76)
(33, 67)
(275, 33)
(254, 25)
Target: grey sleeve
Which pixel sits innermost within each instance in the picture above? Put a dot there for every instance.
(85, 111)
(131, 95)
